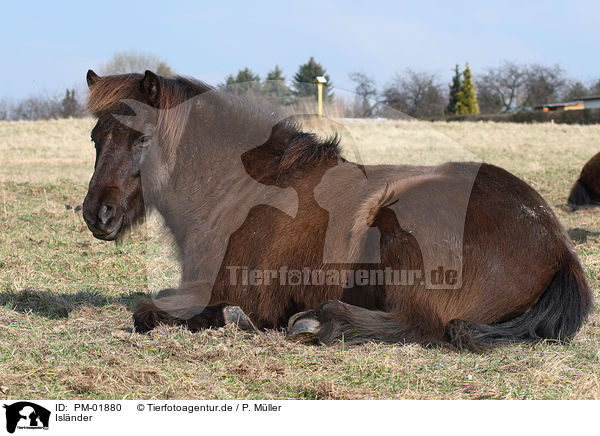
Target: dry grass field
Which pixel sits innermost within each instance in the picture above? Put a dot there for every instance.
(65, 297)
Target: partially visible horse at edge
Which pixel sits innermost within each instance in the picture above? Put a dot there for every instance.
(521, 278)
(586, 190)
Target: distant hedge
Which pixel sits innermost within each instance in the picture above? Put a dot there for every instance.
(583, 116)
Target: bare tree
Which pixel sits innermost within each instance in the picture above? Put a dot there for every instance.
(510, 87)
(490, 102)
(36, 108)
(501, 89)
(418, 94)
(543, 84)
(4, 110)
(43, 107)
(366, 93)
(136, 62)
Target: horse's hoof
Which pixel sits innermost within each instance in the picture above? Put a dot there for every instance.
(140, 325)
(235, 315)
(303, 328)
(143, 319)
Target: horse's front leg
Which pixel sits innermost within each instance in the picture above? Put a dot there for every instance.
(189, 306)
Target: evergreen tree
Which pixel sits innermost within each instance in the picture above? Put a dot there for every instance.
(595, 89)
(275, 88)
(575, 90)
(467, 98)
(242, 82)
(69, 106)
(454, 90)
(304, 80)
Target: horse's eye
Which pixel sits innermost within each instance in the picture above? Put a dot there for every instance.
(143, 141)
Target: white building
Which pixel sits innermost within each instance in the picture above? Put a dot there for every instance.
(592, 102)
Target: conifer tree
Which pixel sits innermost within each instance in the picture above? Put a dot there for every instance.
(304, 80)
(242, 82)
(69, 106)
(275, 88)
(454, 90)
(575, 90)
(467, 98)
(595, 89)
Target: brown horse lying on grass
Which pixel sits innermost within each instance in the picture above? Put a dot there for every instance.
(586, 190)
(519, 278)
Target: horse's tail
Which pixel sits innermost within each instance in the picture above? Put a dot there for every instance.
(581, 196)
(556, 316)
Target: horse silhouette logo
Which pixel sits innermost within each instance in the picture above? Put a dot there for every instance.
(26, 415)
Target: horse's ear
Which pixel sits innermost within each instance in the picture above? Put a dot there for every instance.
(262, 165)
(91, 78)
(151, 87)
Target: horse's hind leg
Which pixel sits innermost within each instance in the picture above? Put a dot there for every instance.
(186, 307)
(334, 320)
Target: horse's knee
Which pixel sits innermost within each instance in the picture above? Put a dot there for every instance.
(147, 316)
(151, 312)
(169, 292)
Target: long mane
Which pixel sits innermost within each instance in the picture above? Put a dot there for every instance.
(109, 91)
(294, 147)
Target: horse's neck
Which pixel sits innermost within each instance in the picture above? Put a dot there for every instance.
(193, 204)
(209, 186)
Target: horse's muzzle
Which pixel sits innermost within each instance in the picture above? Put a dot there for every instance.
(105, 220)
(110, 234)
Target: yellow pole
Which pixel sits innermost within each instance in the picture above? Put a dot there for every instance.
(320, 93)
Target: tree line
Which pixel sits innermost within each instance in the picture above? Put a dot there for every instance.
(275, 87)
(71, 104)
(44, 107)
(507, 88)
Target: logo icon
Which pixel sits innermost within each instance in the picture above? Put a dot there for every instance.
(26, 415)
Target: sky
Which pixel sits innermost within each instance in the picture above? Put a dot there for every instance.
(46, 47)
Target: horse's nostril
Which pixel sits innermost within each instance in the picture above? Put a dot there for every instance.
(107, 212)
